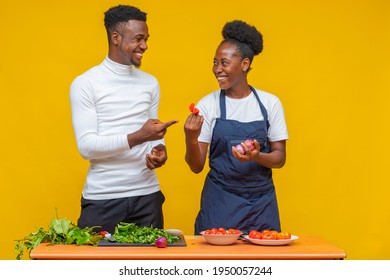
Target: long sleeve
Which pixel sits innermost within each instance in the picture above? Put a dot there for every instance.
(91, 145)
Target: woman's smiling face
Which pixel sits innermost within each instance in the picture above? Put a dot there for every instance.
(229, 67)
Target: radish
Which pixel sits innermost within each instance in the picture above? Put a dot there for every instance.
(161, 242)
(249, 143)
(240, 149)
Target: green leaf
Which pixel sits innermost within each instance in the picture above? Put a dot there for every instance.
(61, 231)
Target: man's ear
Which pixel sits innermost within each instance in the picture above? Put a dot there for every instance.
(116, 38)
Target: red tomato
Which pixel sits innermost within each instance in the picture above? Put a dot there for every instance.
(222, 230)
(268, 235)
(281, 235)
(259, 235)
(274, 233)
(233, 231)
(253, 233)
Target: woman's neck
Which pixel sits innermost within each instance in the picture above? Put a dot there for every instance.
(238, 92)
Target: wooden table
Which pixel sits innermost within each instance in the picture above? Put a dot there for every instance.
(306, 247)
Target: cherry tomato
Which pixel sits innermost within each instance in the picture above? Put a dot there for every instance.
(281, 235)
(274, 233)
(259, 235)
(253, 233)
(222, 231)
(235, 231)
(268, 236)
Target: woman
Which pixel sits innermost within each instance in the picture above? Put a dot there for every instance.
(238, 191)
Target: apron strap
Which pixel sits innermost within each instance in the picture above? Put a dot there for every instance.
(222, 104)
(262, 108)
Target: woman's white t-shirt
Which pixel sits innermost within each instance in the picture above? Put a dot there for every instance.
(244, 110)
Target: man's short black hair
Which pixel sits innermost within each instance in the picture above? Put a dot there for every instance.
(120, 15)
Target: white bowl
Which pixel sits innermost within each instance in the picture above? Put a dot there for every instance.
(220, 239)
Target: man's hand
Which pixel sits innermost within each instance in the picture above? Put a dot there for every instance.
(152, 129)
(157, 157)
(155, 129)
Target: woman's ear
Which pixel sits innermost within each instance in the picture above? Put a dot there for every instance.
(245, 64)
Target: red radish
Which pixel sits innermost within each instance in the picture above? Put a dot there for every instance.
(161, 242)
(249, 143)
(240, 149)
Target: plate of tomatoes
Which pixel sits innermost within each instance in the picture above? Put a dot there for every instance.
(270, 237)
(221, 236)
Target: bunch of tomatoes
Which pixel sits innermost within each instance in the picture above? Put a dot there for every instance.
(221, 231)
(269, 234)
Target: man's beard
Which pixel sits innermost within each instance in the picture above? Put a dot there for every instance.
(136, 64)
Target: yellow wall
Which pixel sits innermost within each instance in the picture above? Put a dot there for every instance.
(328, 61)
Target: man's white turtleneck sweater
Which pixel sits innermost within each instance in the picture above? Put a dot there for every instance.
(108, 102)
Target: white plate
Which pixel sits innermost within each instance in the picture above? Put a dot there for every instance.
(175, 232)
(271, 242)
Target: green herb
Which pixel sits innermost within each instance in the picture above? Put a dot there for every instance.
(61, 231)
(131, 233)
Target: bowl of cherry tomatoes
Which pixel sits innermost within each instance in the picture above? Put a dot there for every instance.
(221, 236)
(270, 237)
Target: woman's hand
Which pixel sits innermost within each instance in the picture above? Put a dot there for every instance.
(196, 151)
(192, 127)
(249, 153)
(276, 158)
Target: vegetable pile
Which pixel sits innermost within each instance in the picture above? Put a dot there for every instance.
(61, 231)
(222, 231)
(131, 233)
(269, 234)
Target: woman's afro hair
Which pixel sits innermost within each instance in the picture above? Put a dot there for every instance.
(242, 32)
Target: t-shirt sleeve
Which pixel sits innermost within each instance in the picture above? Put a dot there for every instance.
(278, 128)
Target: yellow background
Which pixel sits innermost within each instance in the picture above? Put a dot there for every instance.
(328, 61)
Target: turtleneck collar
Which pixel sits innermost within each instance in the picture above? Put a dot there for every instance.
(117, 68)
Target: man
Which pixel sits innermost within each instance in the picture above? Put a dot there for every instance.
(114, 115)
